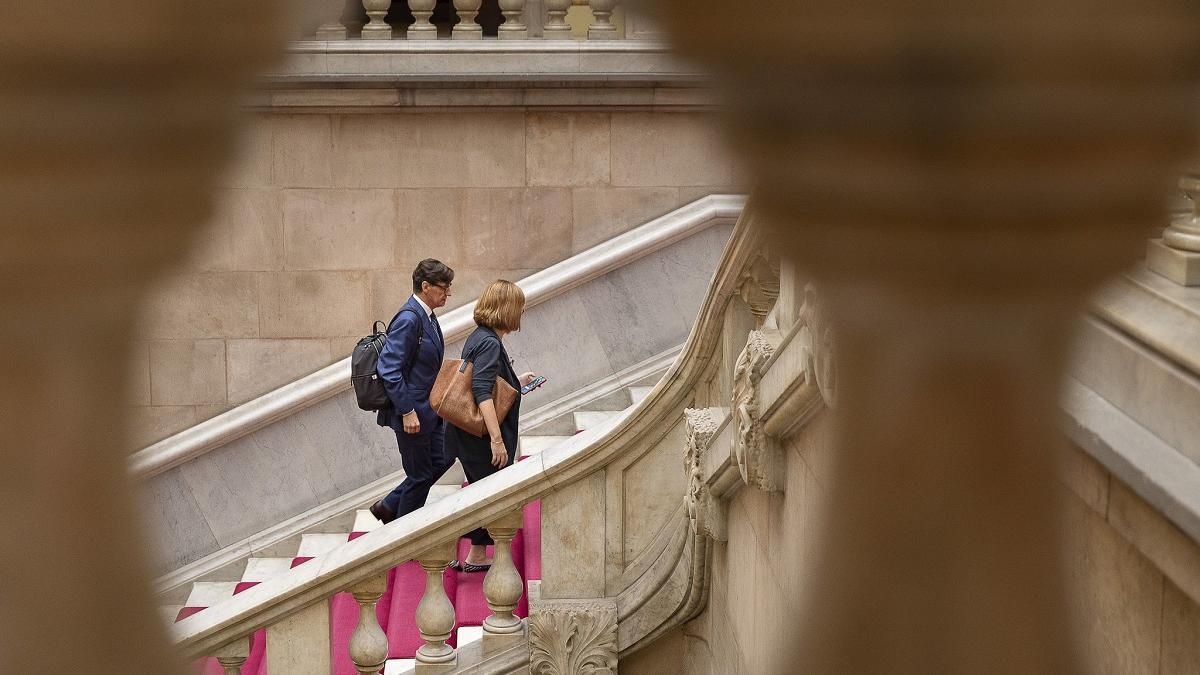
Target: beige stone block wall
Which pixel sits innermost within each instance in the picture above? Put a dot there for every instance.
(1136, 577)
(320, 221)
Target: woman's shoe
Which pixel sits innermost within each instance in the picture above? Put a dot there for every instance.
(462, 566)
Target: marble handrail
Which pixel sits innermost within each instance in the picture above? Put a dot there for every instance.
(488, 499)
(456, 324)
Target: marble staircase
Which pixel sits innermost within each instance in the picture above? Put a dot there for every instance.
(220, 584)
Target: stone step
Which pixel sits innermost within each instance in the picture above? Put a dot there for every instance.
(587, 419)
(313, 545)
(169, 613)
(261, 569)
(636, 394)
(209, 593)
(532, 445)
(365, 522)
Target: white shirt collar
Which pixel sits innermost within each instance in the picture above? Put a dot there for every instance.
(428, 312)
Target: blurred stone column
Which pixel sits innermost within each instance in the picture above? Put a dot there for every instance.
(114, 121)
(1177, 255)
(958, 178)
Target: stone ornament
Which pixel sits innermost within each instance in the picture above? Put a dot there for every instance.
(435, 612)
(376, 28)
(759, 286)
(572, 637)
(368, 644)
(503, 585)
(705, 512)
(820, 363)
(467, 28)
(556, 27)
(752, 453)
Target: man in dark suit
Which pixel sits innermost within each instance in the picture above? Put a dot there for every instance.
(408, 365)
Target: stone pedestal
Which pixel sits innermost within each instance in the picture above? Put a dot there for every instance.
(1177, 255)
(1182, 267)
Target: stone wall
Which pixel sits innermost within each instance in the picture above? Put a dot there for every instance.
(1136, 577)
(322, 219)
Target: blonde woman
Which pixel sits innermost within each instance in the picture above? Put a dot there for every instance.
(497, 314)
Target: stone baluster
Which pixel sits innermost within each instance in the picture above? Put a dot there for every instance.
(369, 644)
(514, 27)
(233, 655)
(1177, 255)
(422, 29)
(333, 28)
(435, 613)
(72, 101)
(954, 291)
(602, 27)
(556, 27)
(503, 586)
(377, 28)
(467, 29)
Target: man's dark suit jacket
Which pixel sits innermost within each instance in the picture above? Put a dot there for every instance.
(409, 390)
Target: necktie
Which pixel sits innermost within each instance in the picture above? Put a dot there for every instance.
(436, 326)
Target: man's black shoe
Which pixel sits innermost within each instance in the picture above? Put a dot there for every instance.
(382, 513)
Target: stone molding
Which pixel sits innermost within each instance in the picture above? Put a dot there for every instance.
(706, 512)
(753, 451)
(573, 636)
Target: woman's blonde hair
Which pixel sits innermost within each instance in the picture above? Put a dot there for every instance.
(500, 306)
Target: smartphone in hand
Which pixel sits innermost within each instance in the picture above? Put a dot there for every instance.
(533, 384)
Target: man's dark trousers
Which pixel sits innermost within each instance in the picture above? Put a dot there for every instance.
(408, 364)
(424, 458)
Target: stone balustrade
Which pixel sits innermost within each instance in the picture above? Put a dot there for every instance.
(521, 20)
(301, 633)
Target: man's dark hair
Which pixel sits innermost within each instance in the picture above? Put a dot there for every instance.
(433, 271)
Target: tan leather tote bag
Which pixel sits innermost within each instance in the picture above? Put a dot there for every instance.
(453, 401)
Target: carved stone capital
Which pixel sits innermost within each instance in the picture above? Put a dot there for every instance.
(573, 636)
(758, 286)
(753, 452)
(705, 512)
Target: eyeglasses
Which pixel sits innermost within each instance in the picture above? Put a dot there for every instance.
(445, 287)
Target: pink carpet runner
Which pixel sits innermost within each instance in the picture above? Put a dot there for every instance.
(398, 605)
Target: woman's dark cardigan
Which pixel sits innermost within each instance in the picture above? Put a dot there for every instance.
(489, 358)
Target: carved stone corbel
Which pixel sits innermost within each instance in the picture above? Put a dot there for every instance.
(755, 454)
(820, 363)
(573, 636)
(705, 512)
(758, 286)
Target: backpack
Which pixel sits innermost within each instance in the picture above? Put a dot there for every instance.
(368, 386)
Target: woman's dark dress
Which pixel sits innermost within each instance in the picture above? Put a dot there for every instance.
(475, 453)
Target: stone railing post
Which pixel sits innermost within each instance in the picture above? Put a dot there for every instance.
(503, 586)
(467, 29)
(1177, 255)
(377, 28)
(602, 27)
(422, 29)
(369, 644)
(514, 27)
(233, 656)
(556, 27)
(435, 613)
